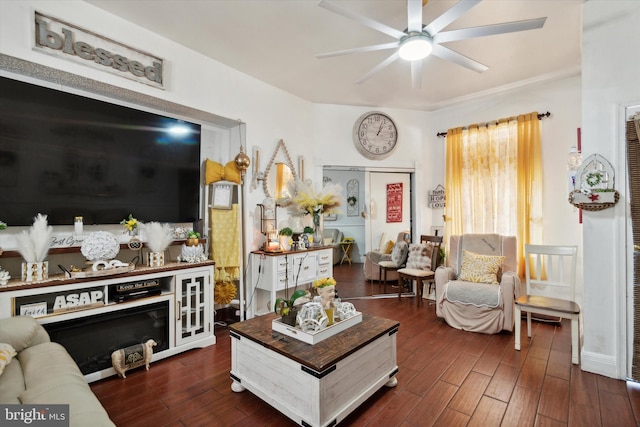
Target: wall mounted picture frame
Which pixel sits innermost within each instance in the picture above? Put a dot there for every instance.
(222, 196)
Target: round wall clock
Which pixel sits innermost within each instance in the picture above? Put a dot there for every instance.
(375, 135)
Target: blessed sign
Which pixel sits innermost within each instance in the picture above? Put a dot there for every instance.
(71, 42)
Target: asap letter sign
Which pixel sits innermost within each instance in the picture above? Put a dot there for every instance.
(72, 300)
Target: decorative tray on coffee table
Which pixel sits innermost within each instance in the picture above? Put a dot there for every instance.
(315, 337)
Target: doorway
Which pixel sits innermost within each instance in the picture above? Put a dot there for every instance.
(384, 205)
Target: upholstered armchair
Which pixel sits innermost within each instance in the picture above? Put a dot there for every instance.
(372, 259)
(476, 292)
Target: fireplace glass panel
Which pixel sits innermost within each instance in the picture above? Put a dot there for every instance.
(90, 340)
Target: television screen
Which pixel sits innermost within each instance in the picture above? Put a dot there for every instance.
(66, 155)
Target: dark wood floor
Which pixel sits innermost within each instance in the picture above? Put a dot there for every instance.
(446, 377)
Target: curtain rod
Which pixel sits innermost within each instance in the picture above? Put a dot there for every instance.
(540, 117)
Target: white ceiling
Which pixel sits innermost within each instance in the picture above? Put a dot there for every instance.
(277, 41)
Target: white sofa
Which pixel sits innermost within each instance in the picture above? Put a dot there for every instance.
(43, 373)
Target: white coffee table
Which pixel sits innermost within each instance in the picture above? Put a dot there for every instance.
(314, 385)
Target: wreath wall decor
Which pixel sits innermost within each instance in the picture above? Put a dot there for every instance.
(353, 190)
(594, 188)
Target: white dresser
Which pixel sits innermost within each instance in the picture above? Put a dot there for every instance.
(271, 273)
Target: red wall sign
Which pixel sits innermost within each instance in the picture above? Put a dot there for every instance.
(394, 202)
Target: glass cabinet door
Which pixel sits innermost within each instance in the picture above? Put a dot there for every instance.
(193, 295)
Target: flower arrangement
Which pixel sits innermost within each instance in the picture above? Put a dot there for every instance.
(325, 281)
(158, 236)
(34, 244)
(283, 306)
(130, 223)
(307, 201)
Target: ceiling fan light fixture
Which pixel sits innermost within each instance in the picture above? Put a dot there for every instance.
(415, 47)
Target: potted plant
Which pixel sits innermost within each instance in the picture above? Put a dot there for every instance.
(287, 309)
(131, 224)
(285, 238)
(309, 232)
(192, 238)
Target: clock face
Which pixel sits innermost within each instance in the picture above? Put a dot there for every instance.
(375, 135)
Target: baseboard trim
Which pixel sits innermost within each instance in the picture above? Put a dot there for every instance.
(601, 364)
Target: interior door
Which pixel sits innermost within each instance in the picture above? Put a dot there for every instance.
(388, 196)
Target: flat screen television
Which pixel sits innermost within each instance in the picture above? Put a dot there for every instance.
(66, 155)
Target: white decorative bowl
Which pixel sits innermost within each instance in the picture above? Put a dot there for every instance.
(100, 245)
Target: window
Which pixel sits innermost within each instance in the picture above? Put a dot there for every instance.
(494, 180)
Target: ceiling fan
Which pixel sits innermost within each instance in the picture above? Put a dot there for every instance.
(418, 41)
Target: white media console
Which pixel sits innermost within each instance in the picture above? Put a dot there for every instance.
(92, 317)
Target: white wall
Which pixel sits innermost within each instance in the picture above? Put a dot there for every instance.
(610, 63)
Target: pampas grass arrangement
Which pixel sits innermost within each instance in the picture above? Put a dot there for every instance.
(33, 244)
(158, 236)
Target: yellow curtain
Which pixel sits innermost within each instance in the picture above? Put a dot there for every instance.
(453, 184)
(493, 180)
(529, 184)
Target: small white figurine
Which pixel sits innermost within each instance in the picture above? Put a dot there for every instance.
(4, 277)
(312, 317)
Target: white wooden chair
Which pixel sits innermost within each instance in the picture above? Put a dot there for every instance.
(550, 290)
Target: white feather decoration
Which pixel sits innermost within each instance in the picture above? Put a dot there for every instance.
(158, 236)
(33, 244)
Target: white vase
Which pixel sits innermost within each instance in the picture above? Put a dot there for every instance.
(155, 259)
(285, 243)
(35, 271)
(318, 228)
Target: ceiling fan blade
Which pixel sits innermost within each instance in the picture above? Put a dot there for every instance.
(449, 16)
(489, 30)
(455, 57)
(360, 49)
(414, 15)
(396, 34)
(416, 74)
(378, 67)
